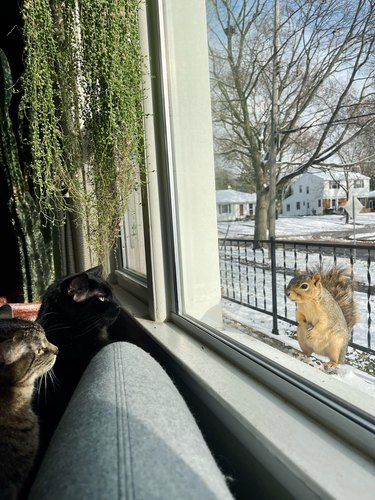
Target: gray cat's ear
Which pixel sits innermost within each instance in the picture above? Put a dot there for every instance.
(11, 351)
(6, 312)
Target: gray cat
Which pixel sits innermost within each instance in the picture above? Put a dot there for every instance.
(25, 355)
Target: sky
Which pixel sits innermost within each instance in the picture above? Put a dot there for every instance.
(303, 228)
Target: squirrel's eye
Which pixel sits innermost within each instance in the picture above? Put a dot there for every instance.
(304, 286)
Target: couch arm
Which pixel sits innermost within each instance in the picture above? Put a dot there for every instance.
(127, 434)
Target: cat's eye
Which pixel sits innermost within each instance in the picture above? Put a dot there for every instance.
(103, 299)
(304, 286)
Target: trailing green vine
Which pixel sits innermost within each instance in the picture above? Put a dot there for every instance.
(82, 100)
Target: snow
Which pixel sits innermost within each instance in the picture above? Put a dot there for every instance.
(297, 226)
(232, 196)
(359, 373)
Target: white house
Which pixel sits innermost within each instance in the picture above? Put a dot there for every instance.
(234, 205)
(317, 193)
(371, 201)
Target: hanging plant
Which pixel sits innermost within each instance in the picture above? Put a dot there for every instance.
(34, 247)
(82, 102)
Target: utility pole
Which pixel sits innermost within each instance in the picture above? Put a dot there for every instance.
(274, 121)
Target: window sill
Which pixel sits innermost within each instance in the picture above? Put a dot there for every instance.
(302, 454)
(348, 384)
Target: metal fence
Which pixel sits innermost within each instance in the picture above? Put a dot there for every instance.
(256, 273)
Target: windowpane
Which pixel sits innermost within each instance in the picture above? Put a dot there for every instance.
(253, 280)
(132, 236)
(223, 277)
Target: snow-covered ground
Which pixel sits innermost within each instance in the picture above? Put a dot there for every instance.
(299, 226)
(242, 286)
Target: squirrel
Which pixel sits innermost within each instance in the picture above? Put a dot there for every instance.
(326, 311)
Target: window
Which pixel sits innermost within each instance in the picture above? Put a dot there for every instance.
(183, 249)
(334, 185)
(333, 203)
(225, 209)
(319, 203)
(307, 189)
(300, 189)
(132, 236)
(359, 183)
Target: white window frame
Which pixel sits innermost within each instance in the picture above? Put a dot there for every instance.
(257, 399)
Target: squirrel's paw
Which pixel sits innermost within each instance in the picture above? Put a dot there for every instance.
(330, 367)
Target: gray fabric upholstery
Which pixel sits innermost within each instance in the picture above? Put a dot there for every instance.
(128, 434)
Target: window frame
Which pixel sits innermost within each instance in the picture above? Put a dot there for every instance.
(163, 273)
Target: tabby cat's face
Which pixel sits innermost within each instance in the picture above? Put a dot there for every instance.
(25, 353)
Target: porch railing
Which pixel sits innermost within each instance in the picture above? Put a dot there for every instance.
(256, 273)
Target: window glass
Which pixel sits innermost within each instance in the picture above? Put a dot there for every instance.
(132, 236)
(225, 209)
(226, 276)
(242, 60)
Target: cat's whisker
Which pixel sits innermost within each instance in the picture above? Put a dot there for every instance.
(54, 380)
(38, 387)
(56, 327)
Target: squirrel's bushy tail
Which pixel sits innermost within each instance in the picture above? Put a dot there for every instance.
(340, 283)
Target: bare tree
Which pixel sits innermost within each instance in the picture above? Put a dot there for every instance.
(326, 84)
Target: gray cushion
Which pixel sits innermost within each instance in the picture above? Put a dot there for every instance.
(128, 434)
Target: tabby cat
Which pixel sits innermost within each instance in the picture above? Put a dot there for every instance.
(25, 355)
(75, 313)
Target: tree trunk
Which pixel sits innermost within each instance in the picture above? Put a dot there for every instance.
(261, 217)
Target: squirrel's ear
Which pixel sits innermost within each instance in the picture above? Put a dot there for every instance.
(316, 278)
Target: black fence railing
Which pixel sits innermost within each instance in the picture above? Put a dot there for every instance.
(256, 276)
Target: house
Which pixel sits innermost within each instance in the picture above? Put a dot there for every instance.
(234, 205)
(371, 201)
(318, 193)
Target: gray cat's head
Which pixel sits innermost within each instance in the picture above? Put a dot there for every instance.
(25, 353)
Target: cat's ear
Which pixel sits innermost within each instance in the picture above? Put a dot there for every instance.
(96, 271)
(11, 351)
(6, 312)
(78, 288)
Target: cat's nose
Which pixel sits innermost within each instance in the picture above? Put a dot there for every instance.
(54, 349)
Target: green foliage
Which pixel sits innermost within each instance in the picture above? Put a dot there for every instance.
(35, 252)
(82, 100)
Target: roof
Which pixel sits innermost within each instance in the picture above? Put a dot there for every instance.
(231, 196)
(371, 194)
(337, 175)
